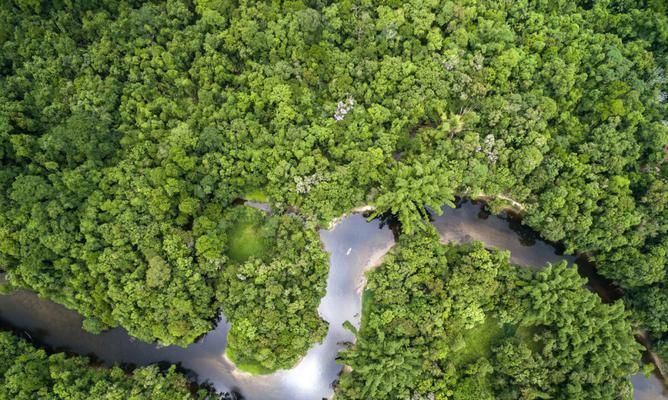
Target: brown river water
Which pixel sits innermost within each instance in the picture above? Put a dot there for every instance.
(355, 246)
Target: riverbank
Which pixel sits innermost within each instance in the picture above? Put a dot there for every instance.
(660, 367)
(514, 211)
(513, 206)
(354, 246)
(495, 230)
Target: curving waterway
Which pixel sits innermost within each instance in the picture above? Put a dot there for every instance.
(355, 246)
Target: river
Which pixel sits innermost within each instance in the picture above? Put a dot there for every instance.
(354, 245)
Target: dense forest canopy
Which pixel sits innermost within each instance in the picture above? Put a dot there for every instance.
(271, 292)
(28, 373)
(129, 128)
(459, 322)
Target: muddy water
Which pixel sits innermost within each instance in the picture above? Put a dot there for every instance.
(354, 246)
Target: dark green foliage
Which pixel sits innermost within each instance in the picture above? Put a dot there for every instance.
(650, 306)
(27, 373)
(128, 129)
(423, 298)
(460, 322)
(271, 298)
(580, 348)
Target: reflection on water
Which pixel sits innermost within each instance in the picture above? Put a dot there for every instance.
(470, 222)
(60, 329)
(354, 246)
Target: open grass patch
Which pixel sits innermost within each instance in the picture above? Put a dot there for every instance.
(256, 195)
(245, 242)
(367, 303)
(478, 341)
(247, 235)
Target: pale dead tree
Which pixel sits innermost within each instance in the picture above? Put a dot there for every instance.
(304, 184)
(343, 108)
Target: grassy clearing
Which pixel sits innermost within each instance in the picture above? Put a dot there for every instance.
(367, 303)
(246, 241)
(247, 236)
(477, 344)
(479, 340)
(256, 195)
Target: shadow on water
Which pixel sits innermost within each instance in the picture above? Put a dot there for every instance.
(472, 221)
(354, 246)
(387, 220)
(526, 235)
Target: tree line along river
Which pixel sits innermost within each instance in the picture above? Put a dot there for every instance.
(355, 246)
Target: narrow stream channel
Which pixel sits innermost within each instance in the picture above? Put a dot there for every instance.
(355, 245)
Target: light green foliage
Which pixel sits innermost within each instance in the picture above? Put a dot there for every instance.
(409, 188)
(157, 273)
(271, 297)
(448, 321)
(247, 235)
(27, 373)
(477, 341)
(424, 299)
(128, 129)
(586, 349)
(256, 195)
